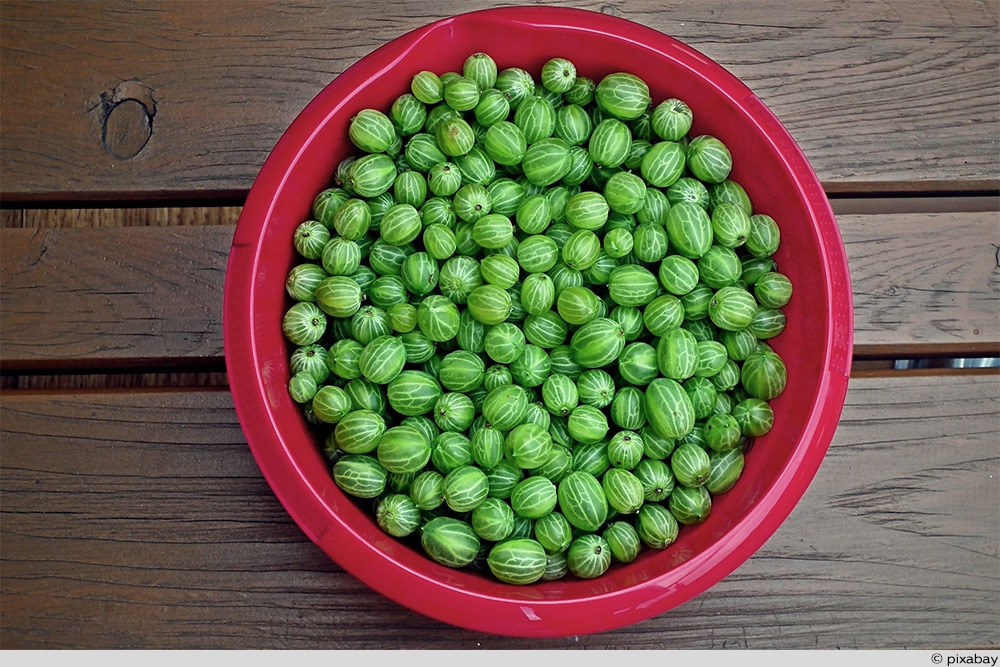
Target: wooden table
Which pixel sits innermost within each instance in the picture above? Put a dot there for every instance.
(134, 515)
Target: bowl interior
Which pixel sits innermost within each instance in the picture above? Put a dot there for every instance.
(816, 344)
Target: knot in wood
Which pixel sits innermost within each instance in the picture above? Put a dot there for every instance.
(127, 119)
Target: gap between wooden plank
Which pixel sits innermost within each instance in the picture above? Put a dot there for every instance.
(226, 210)
(216, 377)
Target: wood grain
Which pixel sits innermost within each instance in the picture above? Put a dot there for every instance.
(890, 96)
(133, 514)
(913, 287)
(149, 295)
(139, 520)
(133, 295)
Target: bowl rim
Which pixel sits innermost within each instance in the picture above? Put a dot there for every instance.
(436, 597)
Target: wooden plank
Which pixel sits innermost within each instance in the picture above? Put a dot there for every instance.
(928, 279)
(118, 99)
(139, 519)
(924, 283)
(141, 295)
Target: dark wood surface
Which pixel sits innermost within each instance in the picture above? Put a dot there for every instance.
(132, 513)
(898, 96)
(173, 538)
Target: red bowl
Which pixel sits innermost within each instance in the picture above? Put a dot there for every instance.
(816, 345)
